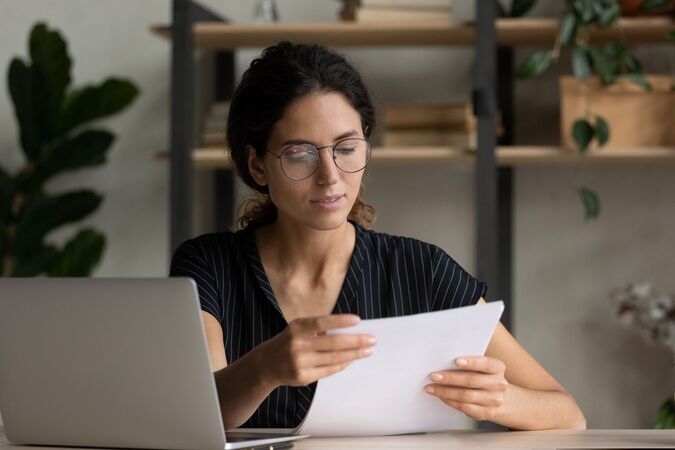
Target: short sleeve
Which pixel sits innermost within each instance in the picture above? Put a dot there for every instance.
(190, 261)
(452, 286)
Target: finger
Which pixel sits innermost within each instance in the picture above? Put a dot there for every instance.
(476, 412)
(467, 379)
(475, 396)
(324, 371)
(335, 358)
(483, 364)
(341, 342)
(320, 324)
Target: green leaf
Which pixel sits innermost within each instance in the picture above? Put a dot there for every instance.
(665, 419)
(29, 90)
(591, 203)
(80, 255)
(521, 7)
(601, 130)
(653, 5)
(671, 35)
(615, 50)
(6, 195)
(46, 214)
(568, 29)
(95, 102)
(581, 65)
(585, 10)
(87, 149)
(640, 80)
(632, 64)
(534, 64)
(605, 68)
(36, 263)
(608, 13)
(582, 132)
(49, 52)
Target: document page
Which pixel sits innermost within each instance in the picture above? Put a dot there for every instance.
(383, 394)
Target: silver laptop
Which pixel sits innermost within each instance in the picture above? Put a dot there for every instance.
(111, 363)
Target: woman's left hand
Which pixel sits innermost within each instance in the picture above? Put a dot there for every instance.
(477, 389)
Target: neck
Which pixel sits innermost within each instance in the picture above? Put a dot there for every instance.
(300, 251)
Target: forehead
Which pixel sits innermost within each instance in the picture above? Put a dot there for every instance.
(317, 116)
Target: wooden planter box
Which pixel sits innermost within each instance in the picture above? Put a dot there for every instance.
(637, 118)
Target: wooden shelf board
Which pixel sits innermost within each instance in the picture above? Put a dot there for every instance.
(510, 156)
(510, 32)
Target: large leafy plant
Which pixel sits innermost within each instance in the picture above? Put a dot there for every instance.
(54, 123)
(608, 62)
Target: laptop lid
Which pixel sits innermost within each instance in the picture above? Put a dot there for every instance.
(107, 363)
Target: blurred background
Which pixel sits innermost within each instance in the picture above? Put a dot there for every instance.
(565, 265)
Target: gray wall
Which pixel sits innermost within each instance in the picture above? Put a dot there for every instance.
(564, 266)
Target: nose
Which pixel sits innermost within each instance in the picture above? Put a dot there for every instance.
(327, 172)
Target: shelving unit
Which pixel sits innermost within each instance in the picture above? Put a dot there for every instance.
(510, 32)
(493, 38)
(506, 156)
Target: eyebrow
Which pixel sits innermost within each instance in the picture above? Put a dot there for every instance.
(305, 141)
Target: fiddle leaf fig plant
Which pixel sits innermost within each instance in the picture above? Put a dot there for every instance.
(57, 136)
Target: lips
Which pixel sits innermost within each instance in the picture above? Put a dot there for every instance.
(327, 198)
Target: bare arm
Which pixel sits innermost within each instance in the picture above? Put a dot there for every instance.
(240, 386)
(299, 355)
(508, 386)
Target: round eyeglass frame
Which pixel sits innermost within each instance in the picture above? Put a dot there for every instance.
(333, 147)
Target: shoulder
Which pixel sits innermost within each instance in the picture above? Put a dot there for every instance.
(211, 252)
(385, 244)
(209, 244)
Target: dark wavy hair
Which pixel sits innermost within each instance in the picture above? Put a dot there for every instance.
(282, 74)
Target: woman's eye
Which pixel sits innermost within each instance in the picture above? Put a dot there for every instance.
(296, 155)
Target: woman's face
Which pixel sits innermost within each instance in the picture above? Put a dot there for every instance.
(320, 119)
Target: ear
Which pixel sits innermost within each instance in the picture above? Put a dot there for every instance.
(256, 167)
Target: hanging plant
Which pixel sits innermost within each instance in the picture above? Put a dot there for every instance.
(608, 62)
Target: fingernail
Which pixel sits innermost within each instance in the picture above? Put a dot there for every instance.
(436, 376)
(430, 389)
(354, 319)
(461, 362)
(367, 351)
(371, 340)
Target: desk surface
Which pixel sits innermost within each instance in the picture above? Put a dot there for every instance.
(483, 439)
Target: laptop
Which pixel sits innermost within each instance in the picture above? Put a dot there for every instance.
(106, 362)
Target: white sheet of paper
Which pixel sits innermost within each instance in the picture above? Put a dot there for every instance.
(383, 394)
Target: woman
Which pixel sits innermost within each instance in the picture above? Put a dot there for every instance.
(305, 261)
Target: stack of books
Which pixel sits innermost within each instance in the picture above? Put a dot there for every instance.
(404, 11)
(213, 132)
(450, 125)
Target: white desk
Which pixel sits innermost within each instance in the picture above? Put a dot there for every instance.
(468, 439)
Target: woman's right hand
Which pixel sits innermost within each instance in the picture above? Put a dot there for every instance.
(304, 353)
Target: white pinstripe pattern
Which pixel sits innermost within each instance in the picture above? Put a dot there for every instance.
(384, 270)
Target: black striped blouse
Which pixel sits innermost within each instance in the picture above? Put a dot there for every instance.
(388, 276)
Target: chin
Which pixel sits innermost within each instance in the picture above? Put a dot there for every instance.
(326, 223)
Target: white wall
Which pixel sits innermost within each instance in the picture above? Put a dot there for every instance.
(564, 266)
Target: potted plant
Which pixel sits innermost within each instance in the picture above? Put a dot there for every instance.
(607, 63)
(56, 137)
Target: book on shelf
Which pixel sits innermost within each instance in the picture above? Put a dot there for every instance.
(442, 115)
(215, 124)
(426, 138)
(442, 124)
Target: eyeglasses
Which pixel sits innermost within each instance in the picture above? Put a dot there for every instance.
(300, 161)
